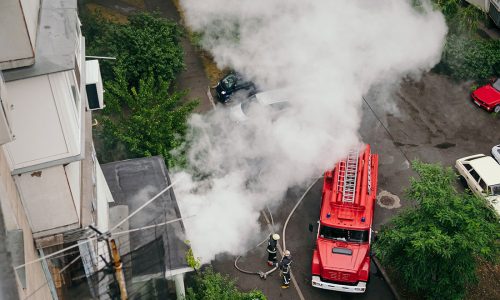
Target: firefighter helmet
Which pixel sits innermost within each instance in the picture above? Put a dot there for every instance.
(287, 253)
(276, 236)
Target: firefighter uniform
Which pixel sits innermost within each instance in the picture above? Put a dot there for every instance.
(272, 249)
(285, 268)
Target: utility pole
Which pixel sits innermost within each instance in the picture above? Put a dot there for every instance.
(117, 264)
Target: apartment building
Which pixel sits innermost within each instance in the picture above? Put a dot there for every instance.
(51, 184)
(490, 7)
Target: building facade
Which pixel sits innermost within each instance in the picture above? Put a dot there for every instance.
(51, 185)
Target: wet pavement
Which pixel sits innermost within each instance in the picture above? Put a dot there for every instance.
(433, 121)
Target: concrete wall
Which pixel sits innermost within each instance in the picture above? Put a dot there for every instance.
(17, 49)
(46, 119)
(30, 10)
(48, 201)
(15, 218)
(481, 4)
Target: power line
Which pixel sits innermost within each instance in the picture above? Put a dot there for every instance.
(98, 237)
(144, 205)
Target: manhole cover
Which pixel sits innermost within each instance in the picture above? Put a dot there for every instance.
(388, 200)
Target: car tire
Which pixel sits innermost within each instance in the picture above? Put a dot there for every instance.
(496, 109)
(463, 181)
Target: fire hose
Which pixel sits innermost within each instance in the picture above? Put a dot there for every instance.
(263, 275)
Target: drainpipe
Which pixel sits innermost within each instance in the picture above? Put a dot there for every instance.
(179, 286)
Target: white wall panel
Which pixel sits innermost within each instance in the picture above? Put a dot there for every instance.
(30, 10)
(47, 198)
(49, 123)
(73, 173)
(15, 41)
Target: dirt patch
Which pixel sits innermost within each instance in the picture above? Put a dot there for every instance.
(137, 3)
(489, 277)
(108, 14)
(213, 73)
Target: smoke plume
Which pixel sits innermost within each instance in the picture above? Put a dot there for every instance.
(331, 53)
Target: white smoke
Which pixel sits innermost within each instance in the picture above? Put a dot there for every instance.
(332, 53)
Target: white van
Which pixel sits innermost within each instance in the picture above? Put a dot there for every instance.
(276, 100)
(482, 174)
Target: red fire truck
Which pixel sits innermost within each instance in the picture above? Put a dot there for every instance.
(341, 258)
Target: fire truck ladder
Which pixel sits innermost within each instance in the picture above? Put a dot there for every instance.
(347, 176)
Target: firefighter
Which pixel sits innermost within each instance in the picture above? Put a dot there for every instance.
(272, 243)
(285, 268)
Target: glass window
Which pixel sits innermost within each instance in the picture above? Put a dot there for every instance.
(229, 82)
(339, 234)
(483, 185)
(496, 84)
(495, 190)
(474, 174)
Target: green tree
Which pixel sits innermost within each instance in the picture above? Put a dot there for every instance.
(148, 44)
(471, 58)
(144, 121)
(460, 17)
(209, 285)
(434, 247)
(467, 55)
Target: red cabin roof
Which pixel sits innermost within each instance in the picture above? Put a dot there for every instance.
(349, 191)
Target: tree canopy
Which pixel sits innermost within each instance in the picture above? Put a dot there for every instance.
(209, 285)
(434, 247)
(144, 121)
(148, 44)
(144, 114)
(467, 54)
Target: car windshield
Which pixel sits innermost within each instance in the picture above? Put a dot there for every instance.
(496, 85)
(495, 190)
(346, 235)
(228, 82)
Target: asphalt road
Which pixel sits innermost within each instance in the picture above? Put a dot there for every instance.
(432, 120)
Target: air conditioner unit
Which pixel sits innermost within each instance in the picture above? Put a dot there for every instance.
(5, 124)
(93, 86)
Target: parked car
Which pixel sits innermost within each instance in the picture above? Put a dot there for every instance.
(495, 152)
(276, 100)
(482, 174)
(488, 96)
(232, 83)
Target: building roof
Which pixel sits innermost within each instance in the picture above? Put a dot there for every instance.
(56, 42)
(133, 182)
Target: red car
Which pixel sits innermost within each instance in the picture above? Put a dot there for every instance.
(488, 96)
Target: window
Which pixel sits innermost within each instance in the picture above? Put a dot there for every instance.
(495, 190)
(339, 234)
(343, 251)
(474, 175)
(483, 185)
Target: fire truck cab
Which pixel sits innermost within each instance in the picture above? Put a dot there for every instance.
(341, 257)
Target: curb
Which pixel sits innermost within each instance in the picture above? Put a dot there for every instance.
(386, 278)
(211, 98)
